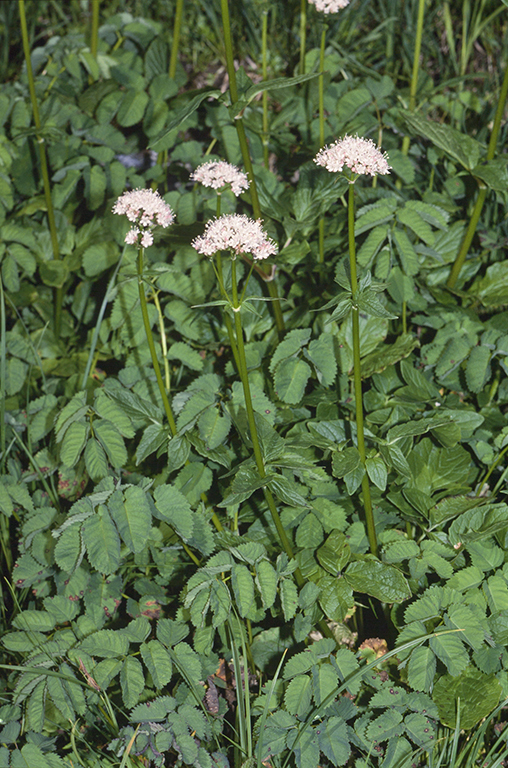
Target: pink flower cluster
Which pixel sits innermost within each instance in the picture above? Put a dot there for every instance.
(329, 6)
(145, 208)
(237, 233)
(361, 156)
(218, 173)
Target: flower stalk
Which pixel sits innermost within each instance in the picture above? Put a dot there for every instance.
(244, 147)
(43, 161)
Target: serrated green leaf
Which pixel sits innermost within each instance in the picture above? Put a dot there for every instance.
(321, 354)
(298, 696)
(334, 742)
(95, 460)
(479, 694)
(478, 368)
(377, 472)
(324, 683)
(421, 669)
(193, 480)
(132, 681)
(458, 145)
(132, 516)
(153, 711)
(68, 548)
(288, 598)
(266, 581)
(174, 509)
(289, 346)
(73, 443)
(213, 427)
(243, 588)
(106, 643)
(335, 553)
(450, 650)
(102, 542)
(345, 461)
(290, 379)
(379, 580)
(112, 442)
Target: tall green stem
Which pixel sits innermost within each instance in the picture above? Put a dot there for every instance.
(256, 447)
(321, 230)
(303, 34)
(357, 373)
(264, 64)
(3, 374)
(43, 161)
(244, 147)
(177, 25)
(416, 67)
(151, 345)
(475, 216)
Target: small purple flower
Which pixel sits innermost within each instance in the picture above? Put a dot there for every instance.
(237, 233)
(218, 174)
(361, 156)
(146, 209)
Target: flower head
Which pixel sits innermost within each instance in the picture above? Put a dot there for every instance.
(146, 209)
(359, 155)
(329, 6)
(217, 174)
(237, 233)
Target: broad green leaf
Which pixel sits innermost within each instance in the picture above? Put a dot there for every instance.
(324, 682)
(479, 694)
(290, 346)
(193, 480)
(153, 711)
(290, 379)
(377, 472)
(421, 669)
(298, 696)
(112, 442)
(106, 643)
(73, 443)
(57, 689)
(160, 142)
(95, 460)
(68, 548)
(385, 726)
(334, 742)
(288, 598)
(132, 681)
(213, 427)
(266, 581)
(188, 663)
(321, 354)
(450, 650)
(420, 730)
(131, 513)
(459, 146)
(132, 107)
(101, 541)
(243, 588)
(496, 591)
(478, 368)
(335, 553)
(174, 509)
(379, 580)
(32, 620)
(346, 461)
(336, 598)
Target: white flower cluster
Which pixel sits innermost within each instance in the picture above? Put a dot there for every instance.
(145, 209)
(359, 155)
(218, 173)
(329, 6)
(237, 233)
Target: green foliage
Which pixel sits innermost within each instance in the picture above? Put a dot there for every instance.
(153, 612)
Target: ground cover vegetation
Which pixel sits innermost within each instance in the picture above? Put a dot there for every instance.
(253, 426)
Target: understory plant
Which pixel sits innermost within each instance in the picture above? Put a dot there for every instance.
(253, 435)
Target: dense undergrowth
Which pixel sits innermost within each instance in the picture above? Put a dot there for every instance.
(252, 511)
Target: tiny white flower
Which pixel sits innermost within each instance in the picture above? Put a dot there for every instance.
(219, 173)
(361, 156)
(329, 6)
(146, 209)
(237, 233)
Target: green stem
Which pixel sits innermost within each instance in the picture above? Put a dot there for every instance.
(303, 34)
(177, 25)
(357, 373)
(321, 226)
(475, 216)
(244, 147)
(43, 161)
(151, 345)
(258, 456)
(416, 67)
(227, 319)
(491, 469)
(264, 64)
